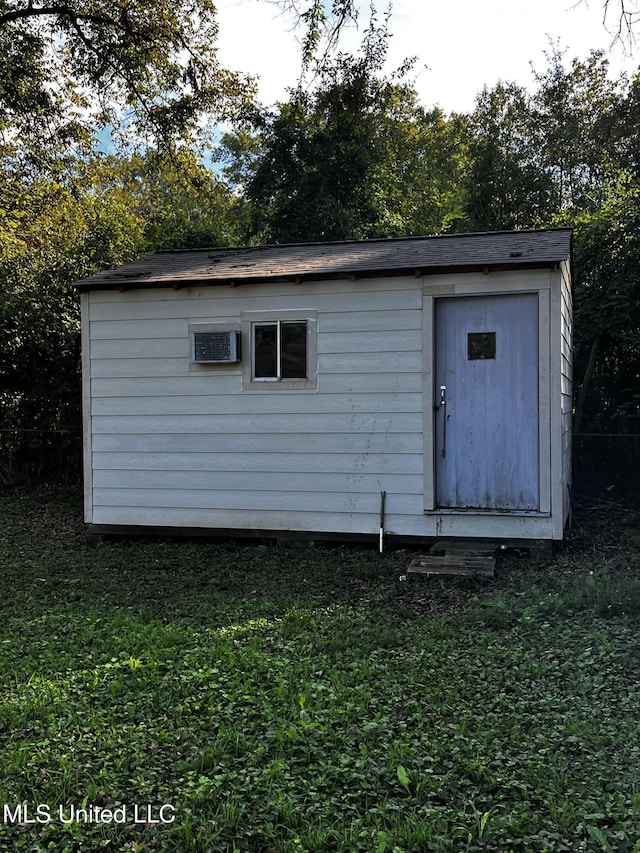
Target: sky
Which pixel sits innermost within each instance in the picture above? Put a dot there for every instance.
(461, 46)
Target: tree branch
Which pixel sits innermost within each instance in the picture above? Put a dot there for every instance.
(627, 18)
(31, 11)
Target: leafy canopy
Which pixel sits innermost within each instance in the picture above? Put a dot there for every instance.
(149, 66)
(355, 157)
(109, 211)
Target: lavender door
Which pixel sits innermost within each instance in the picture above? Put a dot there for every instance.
(486, 421)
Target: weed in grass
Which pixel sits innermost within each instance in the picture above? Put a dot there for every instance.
(496, 613)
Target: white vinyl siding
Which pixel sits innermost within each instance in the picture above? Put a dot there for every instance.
(176, 448)
(566, 374)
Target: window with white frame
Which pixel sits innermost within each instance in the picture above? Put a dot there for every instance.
(283, 350)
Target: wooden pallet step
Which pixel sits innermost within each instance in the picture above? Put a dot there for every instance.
(454, 563)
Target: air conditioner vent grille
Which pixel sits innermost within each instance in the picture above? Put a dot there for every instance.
(216, 347)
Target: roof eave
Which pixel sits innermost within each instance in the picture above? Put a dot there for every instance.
(121, 284)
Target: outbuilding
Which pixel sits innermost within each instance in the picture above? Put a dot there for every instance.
(288, 390)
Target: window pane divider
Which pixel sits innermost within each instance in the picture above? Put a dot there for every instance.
(279, 349)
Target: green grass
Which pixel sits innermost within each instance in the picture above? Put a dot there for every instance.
(286, 699)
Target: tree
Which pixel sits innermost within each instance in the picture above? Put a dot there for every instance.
(607, 293)
(356, 157)
(48, 236)
(533, 157)
(504, 186)
(621, 18)
(575, 129)
(109, 210)
(145, 69)
(181, 203)
(67, 68)
(322, 24)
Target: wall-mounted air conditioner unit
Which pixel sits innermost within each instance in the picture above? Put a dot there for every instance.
(221, 347)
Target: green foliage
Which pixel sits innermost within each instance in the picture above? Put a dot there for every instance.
(322, 26)
(48, 236)
(576, 130)
(148, 66)
(179, 201)
(353, 158)
(504, 187)
(534, 156)
(107, 212)
(248, 687)
(607, 260)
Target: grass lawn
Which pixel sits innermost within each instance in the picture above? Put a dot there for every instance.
(277, 699)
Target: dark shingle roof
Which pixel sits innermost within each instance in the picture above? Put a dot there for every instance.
(357, 259)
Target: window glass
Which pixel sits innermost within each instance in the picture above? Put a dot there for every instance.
(266, 350)
(283, 350)
(293, 350)
(481, 345)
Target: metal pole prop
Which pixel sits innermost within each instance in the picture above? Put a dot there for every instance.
(383, 496)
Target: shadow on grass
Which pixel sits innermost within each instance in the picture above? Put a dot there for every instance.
(48, 564)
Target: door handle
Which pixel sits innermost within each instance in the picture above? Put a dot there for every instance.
(443, 405)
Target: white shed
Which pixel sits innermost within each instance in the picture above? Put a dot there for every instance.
(282, 389)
